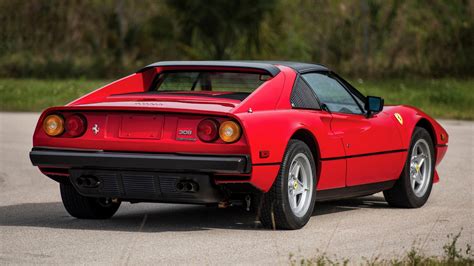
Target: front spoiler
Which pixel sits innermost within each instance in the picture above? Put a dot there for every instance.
(238, 164)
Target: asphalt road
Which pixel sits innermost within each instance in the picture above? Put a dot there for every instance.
(35, 228)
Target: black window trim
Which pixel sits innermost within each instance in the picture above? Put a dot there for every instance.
(338, 79)
(352, 91)
(299, 78)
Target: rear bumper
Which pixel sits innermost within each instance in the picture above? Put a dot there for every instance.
(239, 164)
(146, 186)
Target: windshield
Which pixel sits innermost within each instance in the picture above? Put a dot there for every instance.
(208, 81)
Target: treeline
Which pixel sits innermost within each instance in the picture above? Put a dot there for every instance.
(360, 38)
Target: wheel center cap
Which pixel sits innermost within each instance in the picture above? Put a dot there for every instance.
(295, 185)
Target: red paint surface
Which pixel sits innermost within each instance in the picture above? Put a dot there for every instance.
(375, 168)
(332, 175)
(157, 120)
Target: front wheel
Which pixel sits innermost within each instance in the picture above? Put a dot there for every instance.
(85, 207)
(290, 202)
(413, 187)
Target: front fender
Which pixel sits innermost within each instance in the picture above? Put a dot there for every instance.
(411, 117)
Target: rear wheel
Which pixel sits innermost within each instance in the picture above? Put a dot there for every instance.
(413, 188)
(84, 207)
(290, 202)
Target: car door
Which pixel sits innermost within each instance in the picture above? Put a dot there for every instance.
(332, 173)
(373, 145)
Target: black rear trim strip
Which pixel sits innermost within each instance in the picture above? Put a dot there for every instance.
(140, 161)
(362, 155)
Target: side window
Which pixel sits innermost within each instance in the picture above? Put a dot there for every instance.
(303, 97)
(358, 96)
(332, 94)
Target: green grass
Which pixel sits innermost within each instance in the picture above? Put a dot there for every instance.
(452, 255)
(37, 95)
(441, 98)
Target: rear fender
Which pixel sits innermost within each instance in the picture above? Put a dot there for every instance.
(137, 82)
(268, 132)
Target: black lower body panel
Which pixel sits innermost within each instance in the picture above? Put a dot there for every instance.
(145, 186)
(354, 191)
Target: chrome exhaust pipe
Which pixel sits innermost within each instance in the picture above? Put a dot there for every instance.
(87, 182)
(193, 187)
(80, 181)
(180, 186)
(187, 186)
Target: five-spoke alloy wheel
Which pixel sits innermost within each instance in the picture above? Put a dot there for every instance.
(290, 202)
(413, 187)
(420, 167)
(300, 182)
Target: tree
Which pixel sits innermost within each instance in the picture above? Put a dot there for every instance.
(216, 26)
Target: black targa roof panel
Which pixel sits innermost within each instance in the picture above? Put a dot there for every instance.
(271, 69)
(268, 66)
(300, 67)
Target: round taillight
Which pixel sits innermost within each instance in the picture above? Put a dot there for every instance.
(230, 131)
(207, 130)
(53, 125)
(75, 125)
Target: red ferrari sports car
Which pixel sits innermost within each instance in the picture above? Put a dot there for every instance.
(273, 136)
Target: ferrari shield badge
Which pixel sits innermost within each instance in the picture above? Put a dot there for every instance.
(399, 118)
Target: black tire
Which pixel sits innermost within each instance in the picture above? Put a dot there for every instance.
(402, 195)
(84, 207)
(275, 210)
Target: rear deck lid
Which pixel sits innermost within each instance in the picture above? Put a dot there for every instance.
(173, 106)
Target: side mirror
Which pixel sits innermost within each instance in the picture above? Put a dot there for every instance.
(373, 104)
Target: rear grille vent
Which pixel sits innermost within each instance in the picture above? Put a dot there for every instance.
(110, 184)
(137, 185)
(140, 185)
